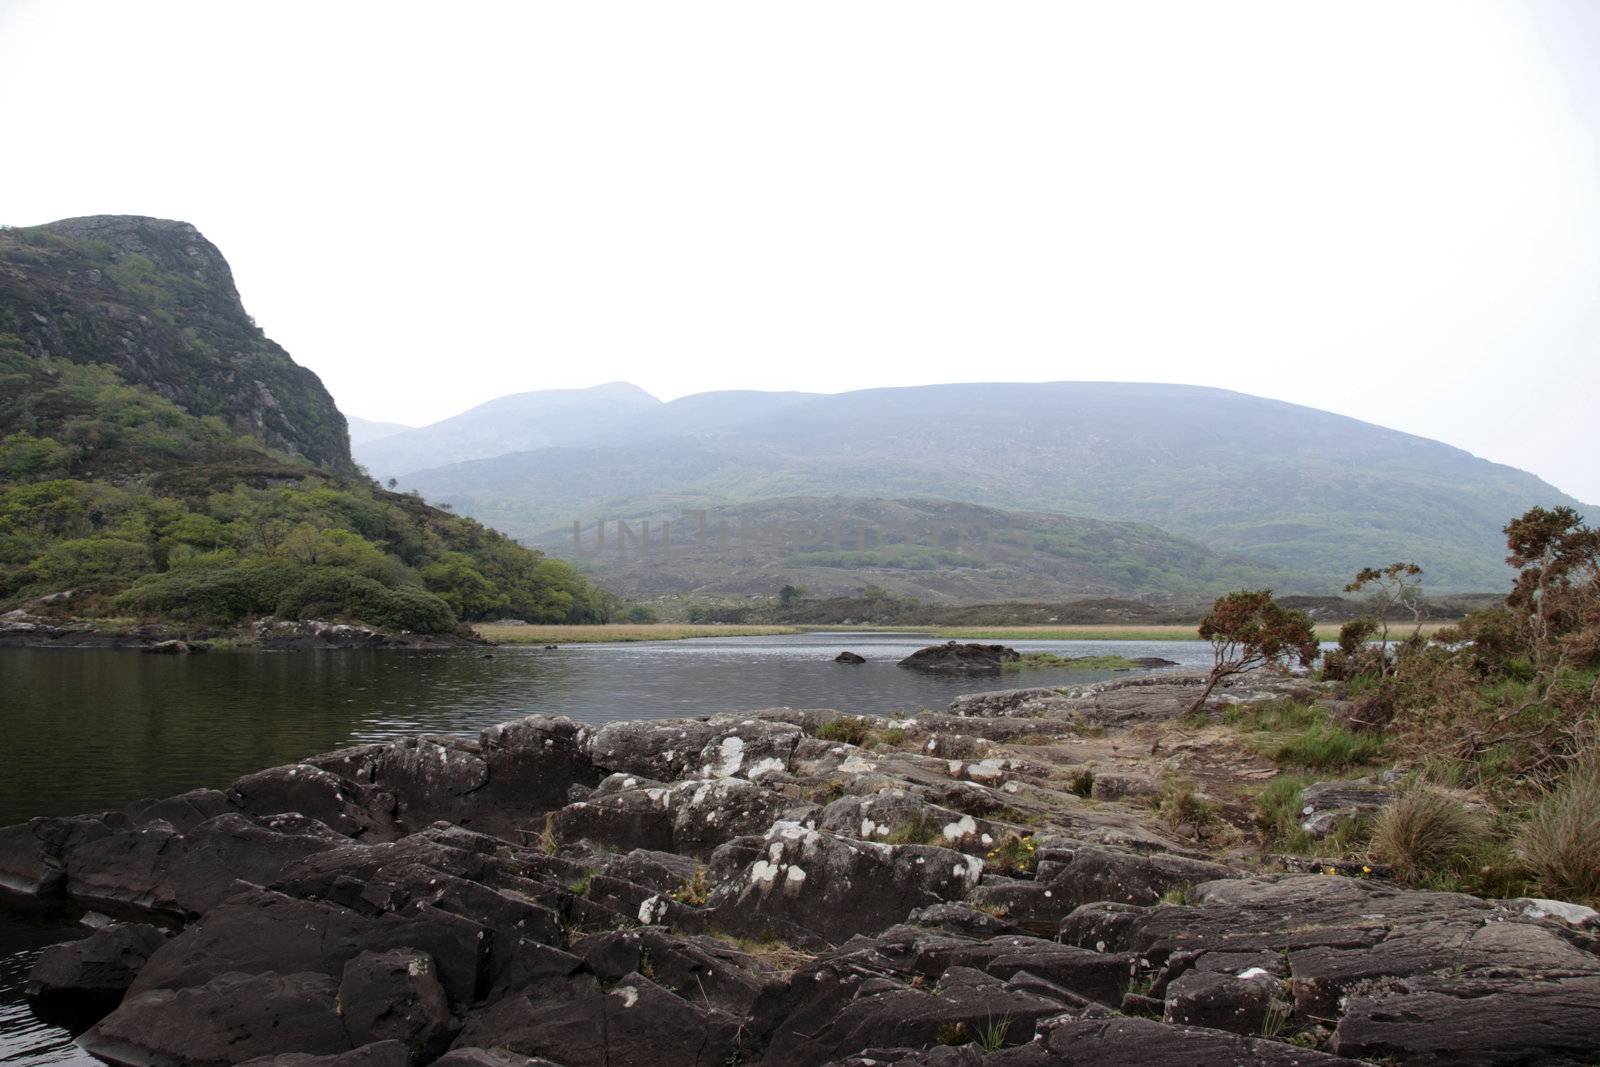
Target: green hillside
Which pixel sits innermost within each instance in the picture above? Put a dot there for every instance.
(160, 458)
(1288, 486)
(935, 551)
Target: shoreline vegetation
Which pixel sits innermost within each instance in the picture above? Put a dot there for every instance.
(513, 633)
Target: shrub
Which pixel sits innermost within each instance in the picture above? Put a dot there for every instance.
(1015, 854)
(1249, 629)
(343, 595)
(921, 830)
(216, 593)
(89, 559)
(1181, 806)
(1425, 833)
(851, 729)
(694, 892)
(1560, 841)
(1354, 634)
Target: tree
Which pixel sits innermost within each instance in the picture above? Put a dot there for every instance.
(1556, 597)
(791, 593)
(1249, 630)
(1395, 587)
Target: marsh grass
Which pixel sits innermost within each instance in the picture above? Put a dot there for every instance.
(518, 634)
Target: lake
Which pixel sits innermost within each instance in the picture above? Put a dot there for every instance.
(87, 730)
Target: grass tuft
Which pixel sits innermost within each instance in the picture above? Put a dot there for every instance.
(850, 729)
(1328, 748)
(1560, 840)
(1182, 805)
(1426, 834)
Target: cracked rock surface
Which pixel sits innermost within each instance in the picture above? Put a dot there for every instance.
(738, 890)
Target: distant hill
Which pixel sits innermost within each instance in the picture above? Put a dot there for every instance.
(563, 417)
(161, 458)
(1288, 486)
(509, 424)
(365, 431)
(929, 550)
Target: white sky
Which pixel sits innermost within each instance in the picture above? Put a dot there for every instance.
(1390, 210)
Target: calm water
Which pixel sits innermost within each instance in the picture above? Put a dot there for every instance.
(88, 730)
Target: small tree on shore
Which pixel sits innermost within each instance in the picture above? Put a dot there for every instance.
(1248, 629)
(1395, 588)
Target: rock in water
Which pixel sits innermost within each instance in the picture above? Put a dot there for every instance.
(849, 657)
(102, 965)
(953, 657)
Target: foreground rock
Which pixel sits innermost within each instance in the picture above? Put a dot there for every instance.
(736, 889)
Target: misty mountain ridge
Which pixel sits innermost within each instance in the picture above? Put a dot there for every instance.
(365, 431)
(1290, 487)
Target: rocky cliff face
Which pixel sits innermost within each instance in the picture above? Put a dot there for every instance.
(157, 300)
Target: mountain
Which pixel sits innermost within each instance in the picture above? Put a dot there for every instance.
(564, 417)
(1288, 486)
(365, 431)
(161, 458)
(156, 300)
(510, 424)
(930, 550)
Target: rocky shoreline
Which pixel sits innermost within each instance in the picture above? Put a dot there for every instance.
(19, 629)
(986, 885)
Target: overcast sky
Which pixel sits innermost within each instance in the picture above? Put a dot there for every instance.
(1389, 210)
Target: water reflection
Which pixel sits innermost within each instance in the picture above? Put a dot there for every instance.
(87, 730)
(90, 730)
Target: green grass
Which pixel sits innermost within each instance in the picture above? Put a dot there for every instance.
(1297, 734)
(1272, 716)
(1327, 748)
(1278, 814)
